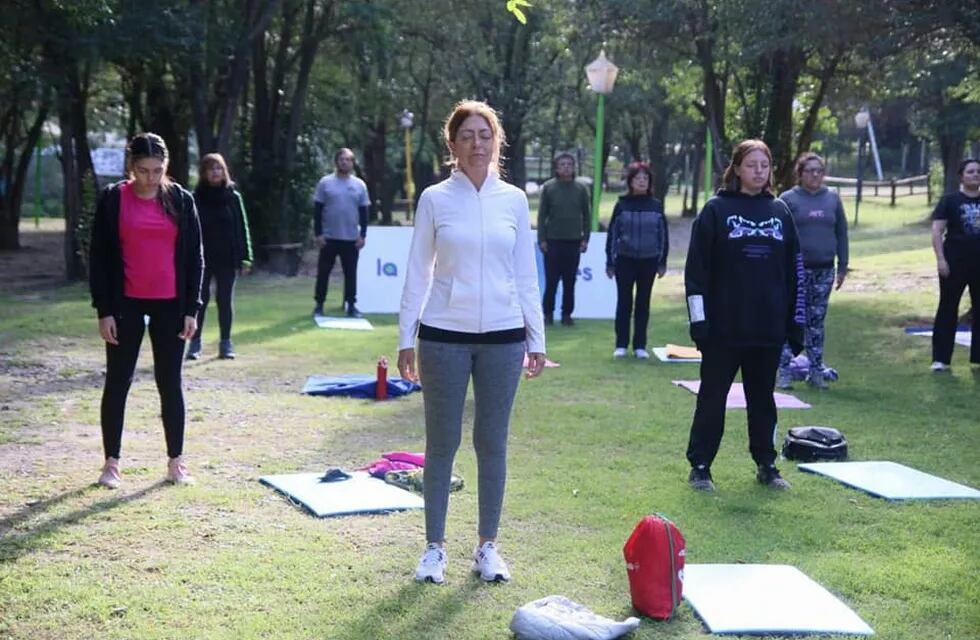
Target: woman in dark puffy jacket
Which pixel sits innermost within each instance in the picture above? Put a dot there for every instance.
(227, 247)
(636, 254)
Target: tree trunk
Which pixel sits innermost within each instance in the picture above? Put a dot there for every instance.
(15, 175)
(786, 67)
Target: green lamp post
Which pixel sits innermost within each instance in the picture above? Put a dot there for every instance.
(602, 76)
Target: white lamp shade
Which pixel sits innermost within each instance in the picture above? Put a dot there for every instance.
(406, 118)
(861, 119)
(602, 74)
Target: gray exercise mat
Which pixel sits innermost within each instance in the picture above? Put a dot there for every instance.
(891, 480)
(362, 493)
(766, 599)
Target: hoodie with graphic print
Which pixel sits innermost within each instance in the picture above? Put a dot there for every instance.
(744, 273)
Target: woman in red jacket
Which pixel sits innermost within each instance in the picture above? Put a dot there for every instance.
(145, 261)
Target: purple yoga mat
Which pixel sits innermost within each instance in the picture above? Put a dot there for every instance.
(736, 396)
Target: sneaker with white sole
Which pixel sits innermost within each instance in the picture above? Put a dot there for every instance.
(432, 565)
(619, 352)
(110, 478)
(488, 563)
(939, 367)
(642, 354)
(177, 471)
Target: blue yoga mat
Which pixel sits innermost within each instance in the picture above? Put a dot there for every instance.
(355, 386)
(360, 494)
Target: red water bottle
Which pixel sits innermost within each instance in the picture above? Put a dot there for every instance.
(381, 386)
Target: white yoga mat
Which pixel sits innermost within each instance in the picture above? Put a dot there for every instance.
(361, 494)
(764, 599)
(891, 480)
(962, 337)
(661, 353)
(352, 324)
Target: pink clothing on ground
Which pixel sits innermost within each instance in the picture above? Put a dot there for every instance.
(148, 239)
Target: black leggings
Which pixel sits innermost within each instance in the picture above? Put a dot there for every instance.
(719, 364)
(639, 273)
(224, 296)
(168, 351)
(944, 328)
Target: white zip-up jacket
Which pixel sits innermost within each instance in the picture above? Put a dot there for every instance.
(471, 266)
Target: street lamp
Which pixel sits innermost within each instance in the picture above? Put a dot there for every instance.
(405, 120)
(861, 119)
(602, 76)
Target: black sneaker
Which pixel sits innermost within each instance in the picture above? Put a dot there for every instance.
(700, 479)
(353, 312)
(548, 320)
(769, 476)
(318, 310)
(567, 321)
(225, 350)
(194, 350)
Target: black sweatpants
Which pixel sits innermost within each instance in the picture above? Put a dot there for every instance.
(638, 273)
(560, 264)
(719, 364)
(168, 354)
(224, 296)
(944, 328)
(348, 262)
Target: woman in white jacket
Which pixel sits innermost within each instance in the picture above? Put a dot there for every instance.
(471, 301)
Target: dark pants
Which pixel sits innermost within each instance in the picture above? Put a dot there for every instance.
(348, 262)
(561, 264)
(630, 273)
(944, 329)
(224, 294)
(718, 367)
(168, 352)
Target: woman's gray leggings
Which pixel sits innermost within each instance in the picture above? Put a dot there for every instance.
(445, 369)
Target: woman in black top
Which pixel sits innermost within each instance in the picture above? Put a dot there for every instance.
(145, 262)
(227, 247)
(743, 281)
(636, 253)
(956, 241)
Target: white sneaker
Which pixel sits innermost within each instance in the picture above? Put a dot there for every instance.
(619, 352)
(488, 563)
(939, 366)
(177, 472)
(642, 354)
(432, 566)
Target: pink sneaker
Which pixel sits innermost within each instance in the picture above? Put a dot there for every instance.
(110, 478)
(177, 471)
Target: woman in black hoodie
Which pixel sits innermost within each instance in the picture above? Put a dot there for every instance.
(636, 253)
(744, 286)
(227, 247)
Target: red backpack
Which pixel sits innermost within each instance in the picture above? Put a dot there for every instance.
(655, 565)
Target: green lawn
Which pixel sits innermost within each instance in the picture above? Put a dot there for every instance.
(595, 445)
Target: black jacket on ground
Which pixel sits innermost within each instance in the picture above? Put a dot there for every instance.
(744, 273)
(224, 227)
(105, 268)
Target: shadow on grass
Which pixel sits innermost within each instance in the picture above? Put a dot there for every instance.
(286, 327)
(14, 546)
(416, 606)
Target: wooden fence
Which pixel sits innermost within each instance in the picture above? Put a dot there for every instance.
(893, 188)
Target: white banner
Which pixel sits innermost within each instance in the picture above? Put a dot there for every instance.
(381, 275)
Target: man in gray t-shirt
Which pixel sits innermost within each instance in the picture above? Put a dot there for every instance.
(340, 215)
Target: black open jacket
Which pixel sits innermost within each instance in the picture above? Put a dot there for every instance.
(105, 269)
